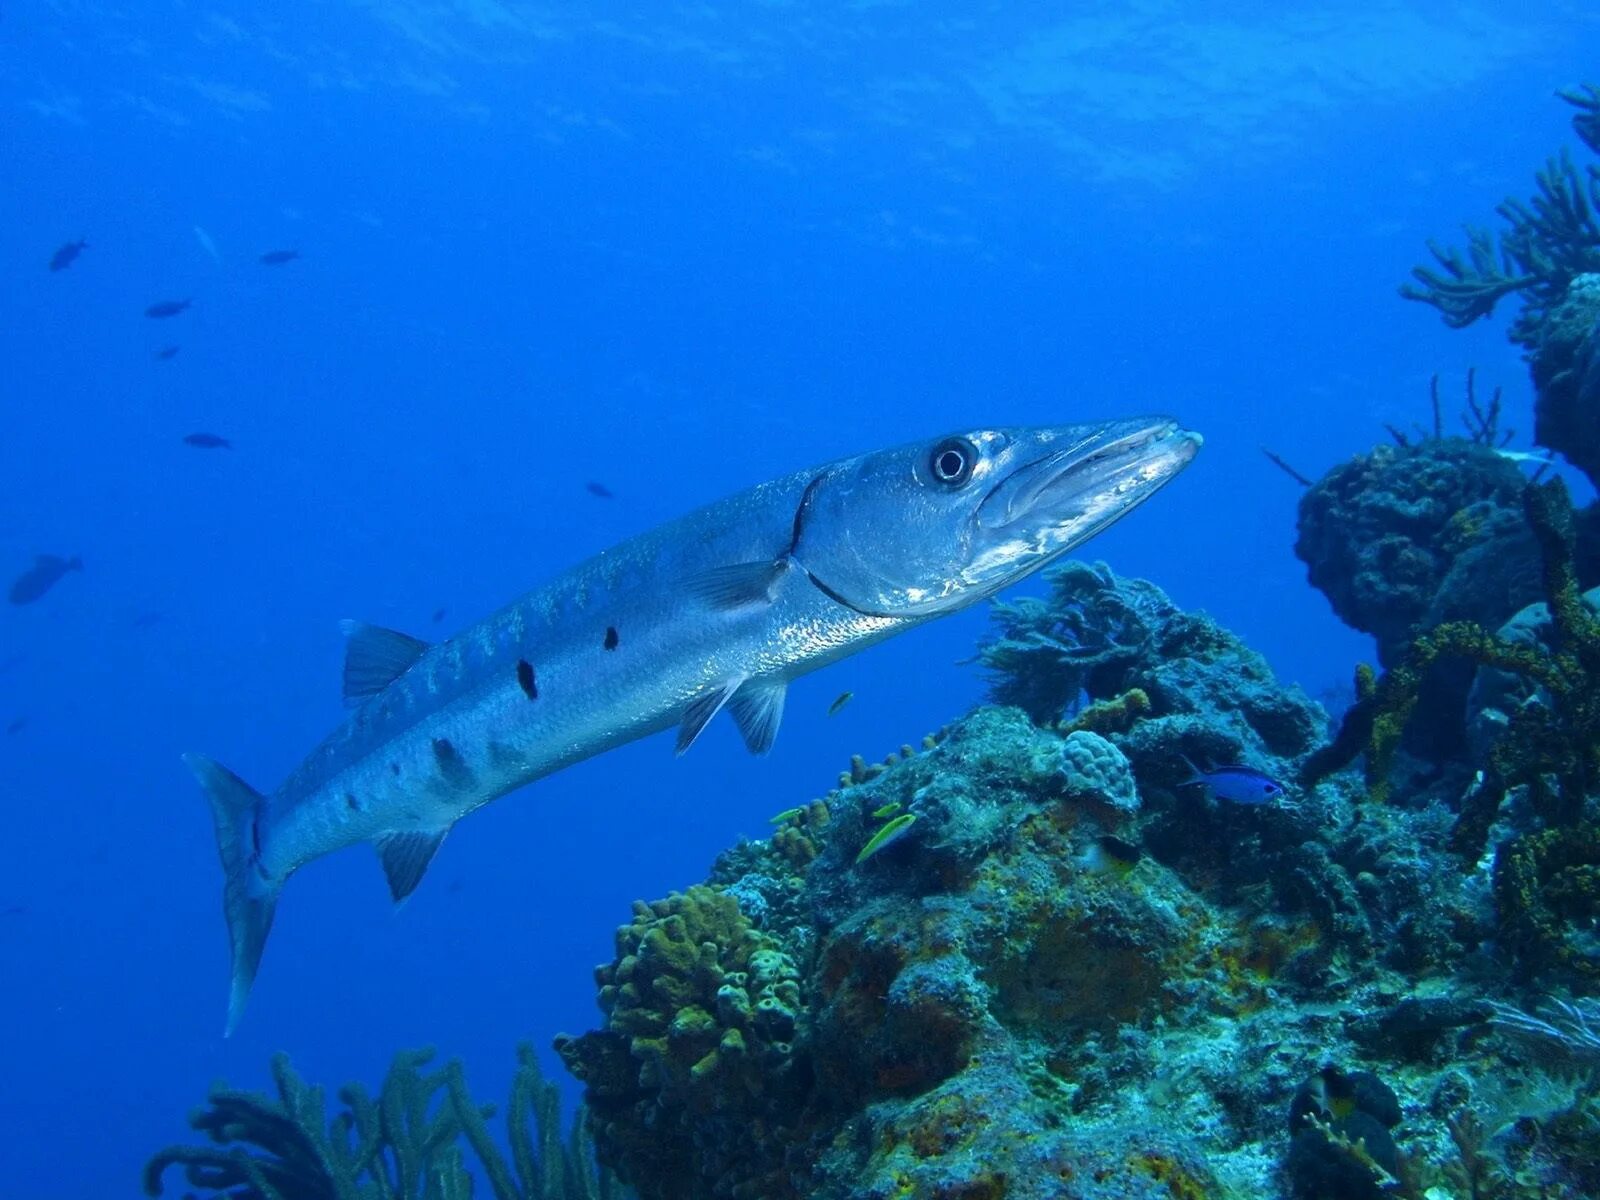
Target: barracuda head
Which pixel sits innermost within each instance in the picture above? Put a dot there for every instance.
(934, 526)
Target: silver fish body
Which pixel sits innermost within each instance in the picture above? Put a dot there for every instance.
(720, 609)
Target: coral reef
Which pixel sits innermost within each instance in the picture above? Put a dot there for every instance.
(407, 1143)
(1406, 537)
(1069, 978)
(1564, 360)
(1048, 652)
(700, 1022)
(1550, 746)
(939, 983)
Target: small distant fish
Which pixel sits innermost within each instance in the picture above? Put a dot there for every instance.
(887, 836)
(438, 615)
(601, 490)
(167, 352)
(14, 910)
(1235, 784)
(166, 308)
(1110, 855)
(839, 702)
(38, 579)
(207, 441)
(276, 258)
(17, 726)
(67, 255)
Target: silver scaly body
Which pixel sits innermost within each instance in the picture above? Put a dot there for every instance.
(458, 729)
(718, 610)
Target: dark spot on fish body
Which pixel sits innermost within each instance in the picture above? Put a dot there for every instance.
(351, 802)
(525, 680)
(453, 768)
(255, 839)
(611, 637)
(394, 769)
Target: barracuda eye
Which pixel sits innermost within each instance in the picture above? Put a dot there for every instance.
(951, 462)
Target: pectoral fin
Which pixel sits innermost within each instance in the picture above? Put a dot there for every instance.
(757, 707)
(742, 585)
(405, 858)
(701, 709)
(374, 657)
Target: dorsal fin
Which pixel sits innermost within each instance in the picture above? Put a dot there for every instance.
(757, 707)
(405, 858)
(374, 657)
(701, 709)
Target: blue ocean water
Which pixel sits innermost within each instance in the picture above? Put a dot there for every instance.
(673, 251)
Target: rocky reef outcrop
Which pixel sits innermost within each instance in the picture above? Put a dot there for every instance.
(1070, 974)
(1565, 364)
(1404, 537)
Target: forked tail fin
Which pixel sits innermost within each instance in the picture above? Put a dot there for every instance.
(248, 898)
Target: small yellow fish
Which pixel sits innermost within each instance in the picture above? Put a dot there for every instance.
(891, 832)
(844, 698)
(888, 810)
(787, 815)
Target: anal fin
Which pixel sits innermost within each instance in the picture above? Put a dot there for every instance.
(757, 708)
(405, 858)
(374, 657)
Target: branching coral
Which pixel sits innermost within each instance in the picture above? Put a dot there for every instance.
(1546, 886)
(1048, 652)
(1551, 239)
(1563, 1035)
(1556, 739)
(405, 1144)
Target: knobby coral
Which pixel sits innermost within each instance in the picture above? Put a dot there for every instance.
(700, 1012)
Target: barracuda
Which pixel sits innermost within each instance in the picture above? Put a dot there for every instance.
(718, 610)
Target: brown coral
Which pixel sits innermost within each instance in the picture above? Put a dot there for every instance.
(700, 1012)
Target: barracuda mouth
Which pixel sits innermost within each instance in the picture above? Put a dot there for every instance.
(1065, 497)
